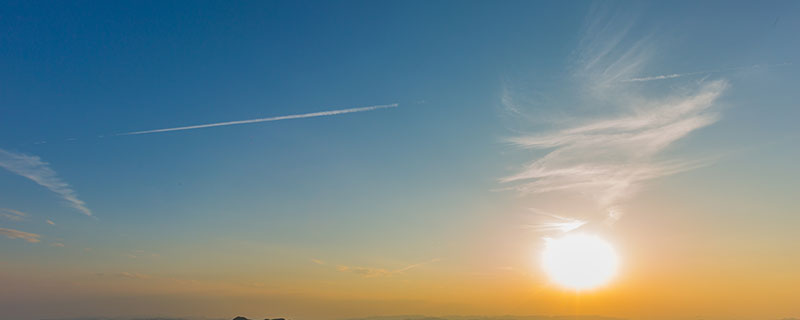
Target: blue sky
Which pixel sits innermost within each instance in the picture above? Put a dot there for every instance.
(103, 70)
(466, 76)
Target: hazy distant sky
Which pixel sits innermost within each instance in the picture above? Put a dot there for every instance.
(670, 128)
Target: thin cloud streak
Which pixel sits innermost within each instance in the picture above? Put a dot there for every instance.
(12, 214)
(132, 275)
(678, 75)
(661, 77)
(370, 272)
(33, 168)
(16, 234)
(288, 117)
(555, 223)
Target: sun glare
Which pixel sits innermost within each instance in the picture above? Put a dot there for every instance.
(579, 261)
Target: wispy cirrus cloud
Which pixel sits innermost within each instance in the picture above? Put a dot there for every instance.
(609, 147)
(33, 168)
(16, 234)
(370, 272)
(609, 157)
(12, 214)
(366, 272)
(132, 275)
(249, 121)
(554, 222)
(125, 275)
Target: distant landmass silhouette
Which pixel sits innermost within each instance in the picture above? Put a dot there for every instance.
(421, 317)
(506, 317)
(398, 317)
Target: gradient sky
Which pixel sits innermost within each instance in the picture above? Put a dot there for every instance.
(668, 128)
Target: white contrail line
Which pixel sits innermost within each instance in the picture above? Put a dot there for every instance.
(293, 116)
(678, 75)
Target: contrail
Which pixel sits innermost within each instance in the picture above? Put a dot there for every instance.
(293, 116)
(678, 75)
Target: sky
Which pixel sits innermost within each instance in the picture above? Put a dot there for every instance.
(327, 160)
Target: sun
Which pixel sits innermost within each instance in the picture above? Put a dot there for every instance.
(579, 261)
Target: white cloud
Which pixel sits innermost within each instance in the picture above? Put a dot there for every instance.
(16, 234)
(50, 222)
(608, 156)
(33, 168)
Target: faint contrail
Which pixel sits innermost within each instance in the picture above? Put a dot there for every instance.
(678, 75)
(293, 116)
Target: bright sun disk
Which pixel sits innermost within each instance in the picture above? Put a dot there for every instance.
(579, 261)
